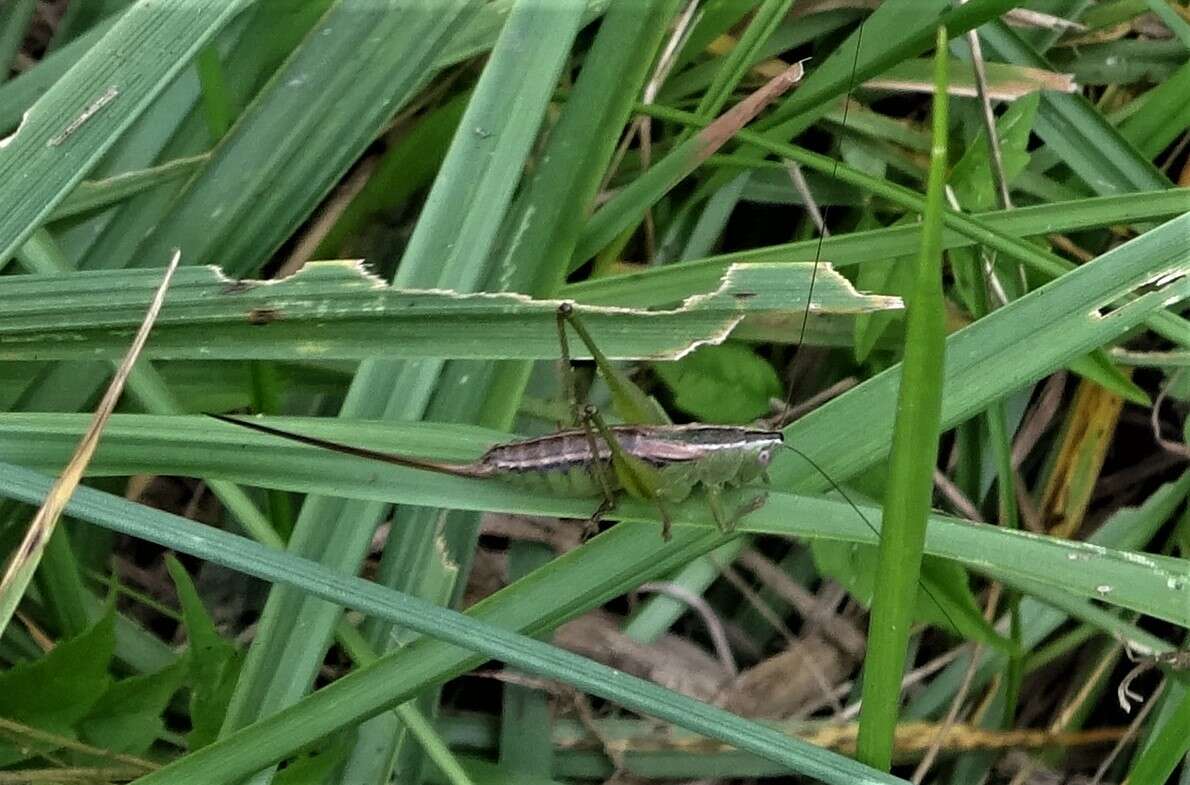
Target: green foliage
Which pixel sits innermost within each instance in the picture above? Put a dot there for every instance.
(60, 690)
(500, 147)
(129, 717)
(913, 456)
(213, 663)
(728, 383)
(944, 598)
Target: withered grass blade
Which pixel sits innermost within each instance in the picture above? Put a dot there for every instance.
(27, 556)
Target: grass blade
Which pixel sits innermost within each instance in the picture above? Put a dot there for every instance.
(911, 462)
(631, 203)
(367, 691)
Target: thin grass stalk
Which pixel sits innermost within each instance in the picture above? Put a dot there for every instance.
(914, 455)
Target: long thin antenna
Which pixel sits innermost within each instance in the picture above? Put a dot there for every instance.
(452, 469)
(822, 233)
(839, 490)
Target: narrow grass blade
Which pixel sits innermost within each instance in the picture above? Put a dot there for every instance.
(19, 94)
(201, 446)
(14, 19)
(911, 462)
(738, 62)
(1071, 126)
(469, 201)
(27, 556)
(305, 128)
(97, 194)
(1168, 746)
(670, 283)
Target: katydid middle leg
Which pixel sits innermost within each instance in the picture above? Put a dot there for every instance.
(723, 520)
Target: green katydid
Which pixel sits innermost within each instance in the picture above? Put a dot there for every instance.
(659, 463)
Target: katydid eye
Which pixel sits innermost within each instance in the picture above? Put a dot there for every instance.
(764, 456)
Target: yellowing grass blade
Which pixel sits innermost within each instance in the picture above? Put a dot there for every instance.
(27, 556)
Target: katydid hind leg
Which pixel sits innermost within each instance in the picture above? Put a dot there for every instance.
(631, 402)
(591, 525)
(637, 477)
(565, 368)
(598, 468)
(634, 473)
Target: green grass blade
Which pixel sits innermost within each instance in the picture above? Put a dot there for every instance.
(1071, 126)
(25, 558)
(1159, 256)
(91, 195)
(1163, 117)
(896, 31)
(454, 244)
(176, 127)
(556, 199)
(295, 629)
(14, 19)
(661, 285)
(200, 446)
(19, 94)
(911, 461)
(738, 62)
(304, 129)
(631, 203)
(336, 310)
(82, 115)
(1168, 746)
(473, 189)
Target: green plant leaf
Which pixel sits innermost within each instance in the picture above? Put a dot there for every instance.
(944, 584)
(912, 459)
(338, 310)
(213, 663)
(729, 382)
(129, 716)
(57, 691)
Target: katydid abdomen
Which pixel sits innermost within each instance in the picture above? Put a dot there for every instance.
(684, 456)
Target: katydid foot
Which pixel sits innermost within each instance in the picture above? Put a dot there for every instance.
(727, 523)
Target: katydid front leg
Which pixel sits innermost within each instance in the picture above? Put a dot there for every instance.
(566, 372)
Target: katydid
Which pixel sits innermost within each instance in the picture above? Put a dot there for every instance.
(661, 464)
